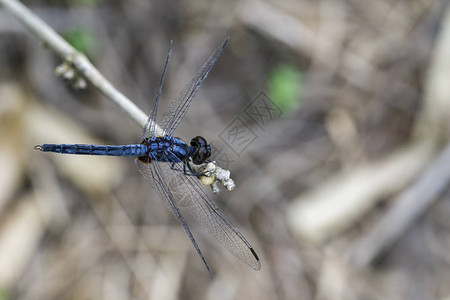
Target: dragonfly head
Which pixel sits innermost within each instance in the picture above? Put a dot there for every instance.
(202, 151)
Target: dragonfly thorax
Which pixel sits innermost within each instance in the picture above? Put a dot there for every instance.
(165, 149)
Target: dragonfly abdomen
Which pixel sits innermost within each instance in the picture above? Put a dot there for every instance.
(132, 150)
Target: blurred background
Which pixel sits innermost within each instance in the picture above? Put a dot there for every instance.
(340, 164)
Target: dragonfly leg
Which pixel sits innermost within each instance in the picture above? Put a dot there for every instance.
(192, 172)
(186, 171)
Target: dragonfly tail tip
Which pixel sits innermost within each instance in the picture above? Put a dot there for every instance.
(38, 147)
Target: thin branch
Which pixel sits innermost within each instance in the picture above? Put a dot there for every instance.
(407, 208)
(76, 59)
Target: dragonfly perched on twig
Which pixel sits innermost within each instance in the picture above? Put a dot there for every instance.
(166, 162)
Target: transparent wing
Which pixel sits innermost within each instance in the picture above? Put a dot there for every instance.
(189, 195)
(156, 178)
(179, 106)
(150, 128)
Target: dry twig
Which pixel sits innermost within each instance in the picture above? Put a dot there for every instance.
(74, 58)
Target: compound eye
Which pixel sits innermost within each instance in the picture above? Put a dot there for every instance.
(203, 150)
(198, 141)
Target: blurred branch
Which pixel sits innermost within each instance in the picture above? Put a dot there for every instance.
(341, 201)
(407, 208)
(73, 58)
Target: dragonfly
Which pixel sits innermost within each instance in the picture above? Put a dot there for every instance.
(166, 162)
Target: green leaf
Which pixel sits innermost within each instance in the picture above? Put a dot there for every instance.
(284, 86)
(3, 294)
(82, 39)
(84, 2)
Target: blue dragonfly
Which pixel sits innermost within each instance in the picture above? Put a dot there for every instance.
(166, 162)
